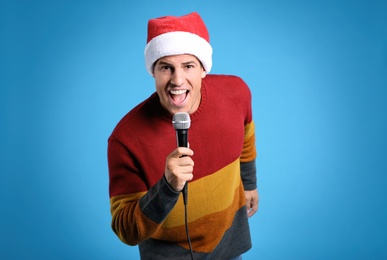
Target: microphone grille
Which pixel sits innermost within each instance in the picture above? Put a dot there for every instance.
(181, 121)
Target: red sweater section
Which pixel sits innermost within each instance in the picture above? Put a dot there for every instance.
(145, 136)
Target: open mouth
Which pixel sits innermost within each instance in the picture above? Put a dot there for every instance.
(178, 96)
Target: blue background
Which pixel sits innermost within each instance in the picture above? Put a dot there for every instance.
(318, 73)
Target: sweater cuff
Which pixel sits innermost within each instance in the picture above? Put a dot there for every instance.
(159, 201)
(249, 175)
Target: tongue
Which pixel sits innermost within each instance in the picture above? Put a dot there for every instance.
(178, 98)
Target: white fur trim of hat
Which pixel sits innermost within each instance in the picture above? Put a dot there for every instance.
(171, 35)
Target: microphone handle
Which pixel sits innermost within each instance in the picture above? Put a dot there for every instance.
(182, 141)
(182, 137)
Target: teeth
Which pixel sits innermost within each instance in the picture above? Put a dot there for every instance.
(178, 92)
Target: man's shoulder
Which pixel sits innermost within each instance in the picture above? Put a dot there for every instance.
(223, 78)
(135, 117)
(231, 84)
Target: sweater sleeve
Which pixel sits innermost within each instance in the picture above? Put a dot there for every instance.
(136, 214)
(249, 154)
(248, 174)
(248, 158)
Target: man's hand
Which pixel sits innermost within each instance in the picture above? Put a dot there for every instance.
(178, 169)
(252, 200)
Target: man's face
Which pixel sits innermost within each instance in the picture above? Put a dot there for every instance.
(178, 82)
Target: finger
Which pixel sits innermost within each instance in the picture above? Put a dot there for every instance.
(184, 151)
(185, 161)
(250, 211)
(253, 208)
(248, 205)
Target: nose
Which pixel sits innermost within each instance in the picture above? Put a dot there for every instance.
(177, 77)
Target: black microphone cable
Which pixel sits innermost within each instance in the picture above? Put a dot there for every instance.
(185, 199)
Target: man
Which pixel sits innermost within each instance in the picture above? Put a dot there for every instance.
(147, 171)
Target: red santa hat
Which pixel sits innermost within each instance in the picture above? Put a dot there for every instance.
(173, 35)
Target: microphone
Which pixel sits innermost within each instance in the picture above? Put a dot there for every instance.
(181, 122)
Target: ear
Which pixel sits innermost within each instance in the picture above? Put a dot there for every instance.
(203, 73)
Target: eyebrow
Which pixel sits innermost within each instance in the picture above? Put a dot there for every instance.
(184, 63)
(164, 63)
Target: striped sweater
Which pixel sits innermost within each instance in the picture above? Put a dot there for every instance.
(147, 212)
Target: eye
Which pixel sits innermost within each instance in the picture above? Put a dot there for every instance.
(166, 69)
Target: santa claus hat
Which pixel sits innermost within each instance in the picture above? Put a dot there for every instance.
(173, 35)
